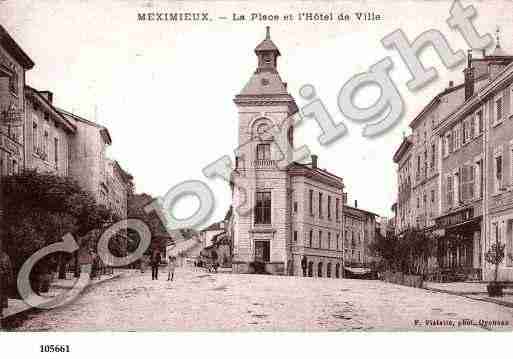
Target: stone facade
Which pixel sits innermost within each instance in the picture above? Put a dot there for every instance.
(14, 62)
(47, 134)
(275, 221)
(455, 193)
(359, 232)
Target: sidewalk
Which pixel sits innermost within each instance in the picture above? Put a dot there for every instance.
(471, 290)
(18, 307)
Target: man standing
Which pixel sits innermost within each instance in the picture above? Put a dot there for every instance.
(155, 262)
(304, 264)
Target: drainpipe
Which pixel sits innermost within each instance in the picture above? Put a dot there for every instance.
(484, 230)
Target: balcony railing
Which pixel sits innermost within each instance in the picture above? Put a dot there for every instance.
(264, 163)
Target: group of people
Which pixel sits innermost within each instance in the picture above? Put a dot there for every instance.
(155, 260)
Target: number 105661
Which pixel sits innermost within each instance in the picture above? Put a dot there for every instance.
(54, 348)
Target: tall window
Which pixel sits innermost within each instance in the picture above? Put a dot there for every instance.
(320, 204)
(479, 178)
(295, 236)
(263, 208)
(498, 110)
(329, 240)
(34, 137)
(480, 121)
(450, 191)
(263, 151)
(320, 239)
(310, 239)
(433, 156)
(45, 144)
(338, 239)
(329, 207)
(310, 202)
(56, 151)
(13, 81)
(498, 172)
(295, 207)
(337, 209)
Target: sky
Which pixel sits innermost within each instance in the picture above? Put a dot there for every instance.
(165, 89)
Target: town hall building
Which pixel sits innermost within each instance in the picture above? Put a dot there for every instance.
(282, 214)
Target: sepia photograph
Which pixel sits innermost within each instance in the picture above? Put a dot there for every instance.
(255, 166)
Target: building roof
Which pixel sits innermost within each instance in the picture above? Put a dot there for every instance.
(300, 169)
(435, 101)
(505, 76)
(34, 95)
(12, 47)
(214, 227)
(103, 130)
(267, 44)
(127, 177)
(403, 147)
(361, 210)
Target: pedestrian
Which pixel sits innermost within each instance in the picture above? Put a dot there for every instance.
(155, 262)
(6, 278)
(214, 260)
(304, 264)
(171, 268)
(143, 262)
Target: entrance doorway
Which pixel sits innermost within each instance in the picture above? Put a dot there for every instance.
(262, 251)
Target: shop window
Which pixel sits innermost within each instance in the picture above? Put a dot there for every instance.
(337, 270)
(328, 270)
(319, 269)
(310, 269)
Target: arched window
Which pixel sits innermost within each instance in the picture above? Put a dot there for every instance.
(310, 269)
(319, 269)
(328, 270)
(337, 270)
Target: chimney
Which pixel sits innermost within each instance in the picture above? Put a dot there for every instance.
(48, 95)
(355, 203)
(469, 74)
(451, 84)
(314, 161)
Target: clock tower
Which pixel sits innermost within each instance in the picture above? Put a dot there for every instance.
(261, 192)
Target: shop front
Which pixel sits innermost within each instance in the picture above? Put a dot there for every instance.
(459, 246)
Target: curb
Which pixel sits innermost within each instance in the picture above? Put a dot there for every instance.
(15, 320)
(468, 295)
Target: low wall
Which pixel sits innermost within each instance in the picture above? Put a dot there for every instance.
(276, 268)
(402, 279)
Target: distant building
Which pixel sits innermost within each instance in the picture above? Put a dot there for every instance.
(359, 233)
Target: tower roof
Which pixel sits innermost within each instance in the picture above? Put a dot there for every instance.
(267, 44)
(498, 51)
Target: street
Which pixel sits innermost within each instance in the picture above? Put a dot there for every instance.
(198, 301)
